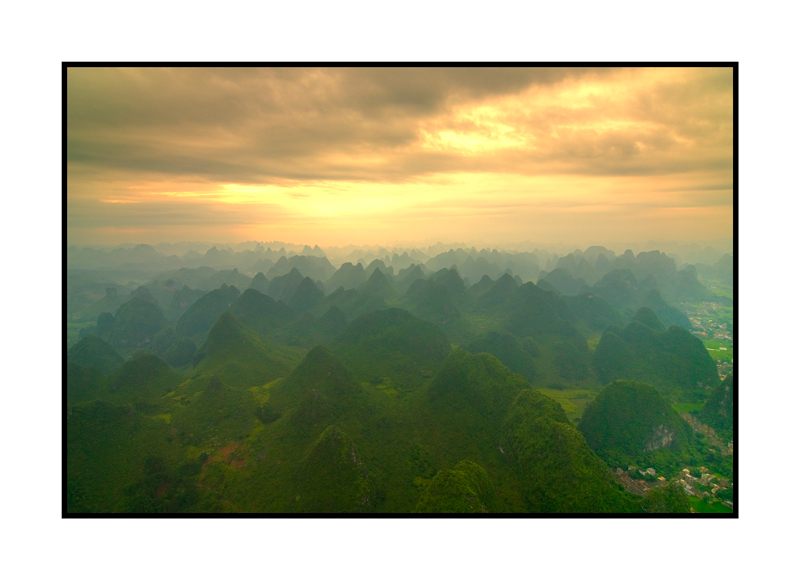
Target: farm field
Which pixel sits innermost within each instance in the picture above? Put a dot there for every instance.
(719, 288)
(687, 407)
(573, 401)
(715, 347)
(703, 507)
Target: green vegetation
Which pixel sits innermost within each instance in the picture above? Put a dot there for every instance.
(631, 423)
(94, 352)
(720, 289)
(202, 314)
(241, 357)
(718, 410)
(332, 478)
(687, 407)
(399, 393)
(464, 489)
(74, 331)
(306, 296)
(476, 385)
(558, 471)
(647, 317)
(180, 353)
(136, 323)
(142, 379)
(668, 499)
(107, 448)
(509, 350)
(84, 384)
(715, 347)
(673, 361)
(668, 315)
(632, 418)
(392, 342)
(573, 401)
(701, 506)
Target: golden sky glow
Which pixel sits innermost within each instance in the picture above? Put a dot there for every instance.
(385, 155)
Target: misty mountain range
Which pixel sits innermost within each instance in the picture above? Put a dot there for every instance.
(270, 381)
(92, 273)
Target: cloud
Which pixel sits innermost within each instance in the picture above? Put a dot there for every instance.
(262, 125)
(303, 147)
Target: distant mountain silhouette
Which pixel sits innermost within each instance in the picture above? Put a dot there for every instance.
(562, 280)
(260, 283)
(482, 286)
(182, 299)
(347, 276)
(406, 277)
(201, 315)
(431, 300)
(314, 267)
(305, 296)
(376, 285)
(353, 303)
(282, 287)
(195, 278)
(108, 303)
(593, 311)
(376, 264)
(502, 291)
(262, 312)
(227, 277)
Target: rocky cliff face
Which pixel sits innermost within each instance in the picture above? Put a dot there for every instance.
(662, 437)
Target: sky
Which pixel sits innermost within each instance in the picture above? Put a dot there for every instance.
(398, 156)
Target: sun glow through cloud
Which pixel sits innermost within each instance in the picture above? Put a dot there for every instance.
(338, 156)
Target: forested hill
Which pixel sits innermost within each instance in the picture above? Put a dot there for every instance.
(463, 381)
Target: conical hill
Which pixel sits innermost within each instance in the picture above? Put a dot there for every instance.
(201, 315)
(392, 343)
(305, 296)
(333, 477)
(558, 471)
(261, 312)
(240, 357)
(93, 352)
(376, 285)
(628, 421)
(142, 378)
(136, 323)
